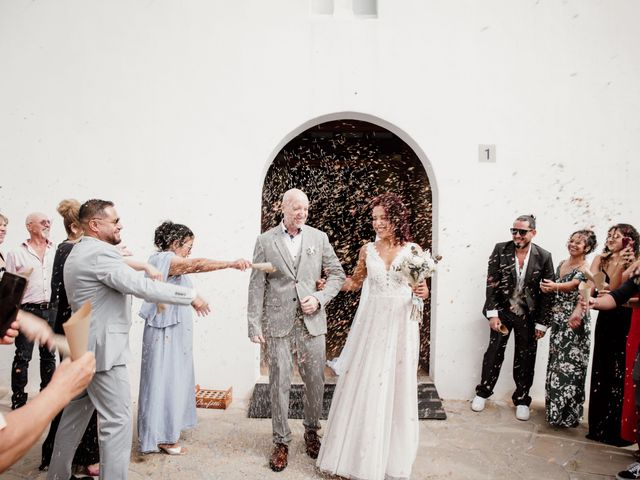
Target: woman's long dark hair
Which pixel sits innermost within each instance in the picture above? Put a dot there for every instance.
(625, 230)
(398, 215)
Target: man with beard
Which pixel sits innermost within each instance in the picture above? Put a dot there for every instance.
(515, 302)
(33, 258)
(96, 272)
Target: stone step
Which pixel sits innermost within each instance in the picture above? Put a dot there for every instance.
(429, 403)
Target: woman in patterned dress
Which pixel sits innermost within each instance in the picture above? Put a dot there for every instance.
(569, 343)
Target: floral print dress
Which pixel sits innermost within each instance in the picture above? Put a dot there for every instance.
(568, 358)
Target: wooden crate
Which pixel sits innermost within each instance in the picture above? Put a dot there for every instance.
(213, 398)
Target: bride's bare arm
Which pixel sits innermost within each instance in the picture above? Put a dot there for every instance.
(181, 265)
(354, 282)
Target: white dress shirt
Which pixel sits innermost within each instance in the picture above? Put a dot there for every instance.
(293, 243)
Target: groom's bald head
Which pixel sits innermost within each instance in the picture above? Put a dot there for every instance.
(295, 209)
(292, 195)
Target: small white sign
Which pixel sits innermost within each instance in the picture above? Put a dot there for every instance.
(487, 153)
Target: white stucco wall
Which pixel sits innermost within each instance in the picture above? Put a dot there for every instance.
(175, 109)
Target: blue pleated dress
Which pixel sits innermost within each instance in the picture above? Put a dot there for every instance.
(166, 403)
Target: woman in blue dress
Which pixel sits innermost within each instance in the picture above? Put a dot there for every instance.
(166, 403)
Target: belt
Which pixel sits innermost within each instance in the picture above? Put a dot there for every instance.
(36, 306)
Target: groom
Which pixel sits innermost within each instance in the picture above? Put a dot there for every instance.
(287, 313)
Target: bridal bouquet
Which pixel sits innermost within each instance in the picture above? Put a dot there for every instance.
(417, 267)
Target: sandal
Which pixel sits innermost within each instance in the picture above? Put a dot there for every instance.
(93, 470)
(174, 449)
(88, 471)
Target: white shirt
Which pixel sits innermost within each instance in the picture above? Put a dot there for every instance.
(520, 274)
(293, 243)
(3, 422)
(24, 258)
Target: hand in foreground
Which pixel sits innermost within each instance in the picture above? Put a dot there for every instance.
(495, 324)
(574, 321)
(548, 286)
(421, 290)
(309, 304)
(200, 306)
(627, 256)
(257, 339)
(240, 264)
(152, 272)
(35, 329)
(71, 378)
(540, 334)
(10, 334)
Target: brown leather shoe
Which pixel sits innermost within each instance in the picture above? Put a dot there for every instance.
(278, 461)
(313, 443)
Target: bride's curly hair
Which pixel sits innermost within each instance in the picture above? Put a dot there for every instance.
(398, 214)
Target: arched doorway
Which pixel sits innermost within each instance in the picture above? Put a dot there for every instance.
(342, 165)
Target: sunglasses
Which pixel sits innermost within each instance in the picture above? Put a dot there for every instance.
(520, 231)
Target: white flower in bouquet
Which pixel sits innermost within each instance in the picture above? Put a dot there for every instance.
(416, 267)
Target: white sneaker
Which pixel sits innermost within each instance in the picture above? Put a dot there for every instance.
(478, 403)
(522, 412)
(632, 471)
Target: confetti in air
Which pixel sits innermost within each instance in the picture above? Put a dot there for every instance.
(341, 166)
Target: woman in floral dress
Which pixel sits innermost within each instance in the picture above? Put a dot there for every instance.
(569, 343)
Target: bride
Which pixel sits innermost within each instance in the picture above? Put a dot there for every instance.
(372, 430)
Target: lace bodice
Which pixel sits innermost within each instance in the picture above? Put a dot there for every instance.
(383, 282)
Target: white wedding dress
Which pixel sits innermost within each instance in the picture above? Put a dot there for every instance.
(372, 430)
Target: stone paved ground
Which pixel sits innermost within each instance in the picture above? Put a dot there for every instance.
(489, 445)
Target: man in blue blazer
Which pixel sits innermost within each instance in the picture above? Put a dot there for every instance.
(95, 272)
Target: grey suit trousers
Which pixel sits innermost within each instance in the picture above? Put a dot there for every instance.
(110, 394)
(310, 352)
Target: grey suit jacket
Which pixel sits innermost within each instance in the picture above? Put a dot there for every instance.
(95, 271)
(274, 298)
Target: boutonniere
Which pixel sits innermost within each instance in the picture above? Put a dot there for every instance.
(311, 251)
